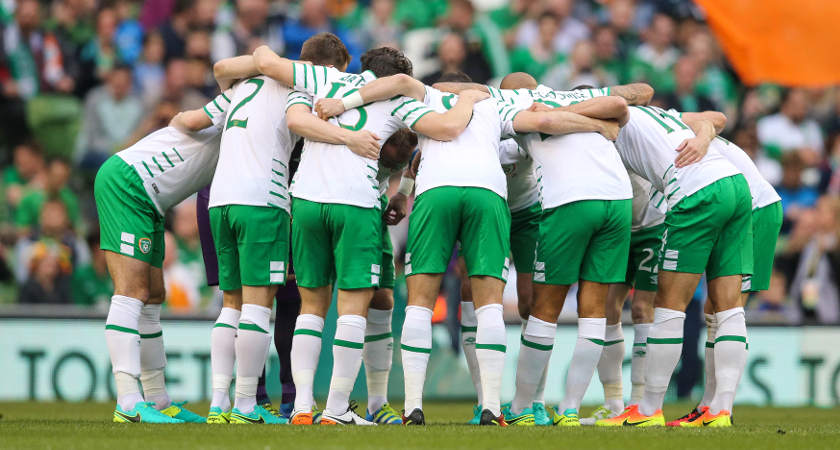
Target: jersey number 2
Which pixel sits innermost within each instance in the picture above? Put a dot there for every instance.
(243, 123)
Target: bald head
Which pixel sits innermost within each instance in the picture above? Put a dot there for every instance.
(518, 80)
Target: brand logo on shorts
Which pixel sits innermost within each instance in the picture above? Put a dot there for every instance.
(145, 245)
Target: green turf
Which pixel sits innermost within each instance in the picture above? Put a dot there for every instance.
(87, 425)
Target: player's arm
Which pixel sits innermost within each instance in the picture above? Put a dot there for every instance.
(609, 107)
(190, 121)
(563, 122)
(704, 127)
(302, 122)
(377, 90)
(228, 70)
(717, 119)
(449, 125)
(397, 207)
(456, 87)
(634, 93)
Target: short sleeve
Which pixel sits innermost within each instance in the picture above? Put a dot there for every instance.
(311, 79)
(409, 110)
(507, 112)
(217, 108)
(510, 152)
(298, 97)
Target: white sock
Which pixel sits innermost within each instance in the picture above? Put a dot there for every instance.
(490, 347)
(637, 368)
(534, 353)
(588, 348)
(609, 368)
(730, 357)
(415, 348)
(347, 359)
(469, 326)
(152, 357)
(306, 350)
(222, 356)
(378, 356)
(252, 342)
(709, 362)
(664, 346)
(123, 341)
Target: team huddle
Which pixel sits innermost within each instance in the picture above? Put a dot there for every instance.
(589, 186)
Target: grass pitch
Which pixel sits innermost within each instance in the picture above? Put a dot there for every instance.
(88, 426)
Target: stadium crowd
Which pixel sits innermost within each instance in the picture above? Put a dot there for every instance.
(83, 79)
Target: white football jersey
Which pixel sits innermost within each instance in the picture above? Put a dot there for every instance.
(333, 173)
(174, 165)
(647, 144)
(256, 145)
(761, 190)
(471, 159)
(648, 203)
(523, 189)
(571, 167)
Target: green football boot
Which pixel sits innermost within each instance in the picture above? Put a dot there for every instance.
(217, 416)
(476, 419)
(143, 412)
(258, 415)
(542, 415)
(177, 411)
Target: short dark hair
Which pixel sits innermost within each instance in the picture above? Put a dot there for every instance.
(386, 61)
(325, 49)
(455, 77)
(582, 86)
(404, 141)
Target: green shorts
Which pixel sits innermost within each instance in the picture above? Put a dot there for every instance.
(766, 223)
(386, 281)
(129, 223)
(524, 231)
(336, 243)
(477, 217)
(644, 257)
(584, 240)
(252, 245)
(711, 231)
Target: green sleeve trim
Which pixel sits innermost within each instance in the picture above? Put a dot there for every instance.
(121, 329)
(466, 329)
(152, 335)
(223, 325)
(731, 338)
(166, 157)
(154, 160)
(225, 97)
(294, 74)
(251, 327)
(535, 345)
(651, 340)
(409, 348)
(308, 332)
(494, 347)
(413, 110)
(378, 337)
(277, 195)
(418, 118)
(672, 193)
(217, 105)
(401, 105)
(147, 169)
(348, 344)
(207, 111)
(179, 155)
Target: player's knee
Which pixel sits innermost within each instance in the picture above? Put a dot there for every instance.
(138, 292)
(383, 299)
(641, 313)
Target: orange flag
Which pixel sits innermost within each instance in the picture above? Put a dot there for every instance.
(790, 42)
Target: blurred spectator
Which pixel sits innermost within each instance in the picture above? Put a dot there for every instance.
(486, 55)
(46, 259)
(714, 82)
(313, 19)
(111, 113)
(99, 56)
(92, 284)
(176, 88)
(174, 30)
(607, 60)
(796, 196)
(25, 173)
(577, 70)
(452, 53)
(685, 96)
(378, 28)
(32, 204)
(148, 72)
(128, 36)
(252, 27)
(621, 15)
(791, 130)
(569, 29)
(33, 59)
(655, 58)
(537, 57)
(813, 254)
(182, 284)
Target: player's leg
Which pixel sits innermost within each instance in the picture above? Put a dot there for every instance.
(314, 274)
(641, 309)
(223, 355)
(485, 244)
(128, 223)
(469, 326)
(378, 353)
(432, 231)
(357, 249)
(609, 365)
(287, 304)
(262, 243)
